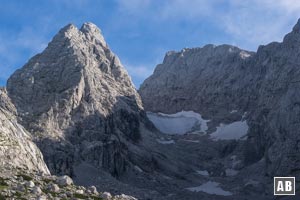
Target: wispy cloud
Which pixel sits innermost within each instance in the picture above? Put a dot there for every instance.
(248, 22)
(254, 22)
(137, 28)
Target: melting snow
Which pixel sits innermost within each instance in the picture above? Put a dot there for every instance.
(210, 187)
(178, 123)
(244, 55)
(233, 131)
(231, 172)
(203, 173)
(193, 141)
(165, 141)
(137, 168)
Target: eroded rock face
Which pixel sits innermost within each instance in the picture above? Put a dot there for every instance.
(200, 79)
(79, 102)
(215, 80)
(16, 148)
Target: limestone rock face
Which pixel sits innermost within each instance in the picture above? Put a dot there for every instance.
(215, 80)
(200, 79)
(79, 102)
(16, 148)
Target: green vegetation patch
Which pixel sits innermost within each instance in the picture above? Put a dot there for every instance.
(3, 184)
(2, 197)
(80, 196)
(25, 177)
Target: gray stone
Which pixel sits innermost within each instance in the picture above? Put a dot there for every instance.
(64, 180)
(93, 189)
(79, 191)
(37, 190)
(124, 197)
(53, 188)
(106, 196)
(20, 188)
(42, 198)
(30, 184)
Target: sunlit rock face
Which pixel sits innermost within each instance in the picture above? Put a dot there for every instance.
(79, 103)
(17, 151)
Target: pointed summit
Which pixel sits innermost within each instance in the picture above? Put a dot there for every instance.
(68, 28)
(67, 31)
(89, 27)
(75, 58)
(93, 32)
(293, 38)
(78, 91)
(296, 28)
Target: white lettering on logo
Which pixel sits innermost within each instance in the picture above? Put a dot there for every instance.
(288, 186)
(280, 187)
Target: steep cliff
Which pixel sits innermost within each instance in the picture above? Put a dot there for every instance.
(224, 84)
(17, 151)
(79, 103)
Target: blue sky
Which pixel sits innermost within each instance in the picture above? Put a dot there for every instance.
(140, 32)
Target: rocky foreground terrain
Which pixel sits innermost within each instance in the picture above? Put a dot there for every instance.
(74, 127)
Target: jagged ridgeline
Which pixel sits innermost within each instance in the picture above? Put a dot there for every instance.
(218, 81)
(79, 103)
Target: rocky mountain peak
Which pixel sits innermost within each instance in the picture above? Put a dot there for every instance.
(296, 28)
(91, 31)
(77, 96)
(76, 62)
(68, 28)
(293, 38)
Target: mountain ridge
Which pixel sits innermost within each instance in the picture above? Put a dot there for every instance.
(260, 85)
(77, 103)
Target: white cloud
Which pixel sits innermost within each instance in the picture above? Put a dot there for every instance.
(290, 6)
(188, 9)
(248, 22)
(256, 22)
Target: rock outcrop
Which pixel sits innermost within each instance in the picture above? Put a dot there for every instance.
(221, 82)
(207, 80)
(19, 184)
(17, 151)
(79, 104)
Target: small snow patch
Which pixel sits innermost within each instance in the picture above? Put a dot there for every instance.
(231, 172)
(202, 172)
(252, 182)
(165, 141)
(166, 177)
(178, 123)
(234, 131)
(233, 111)
(244, 55)
(137, 168)
(193, 141)
(210, 187)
